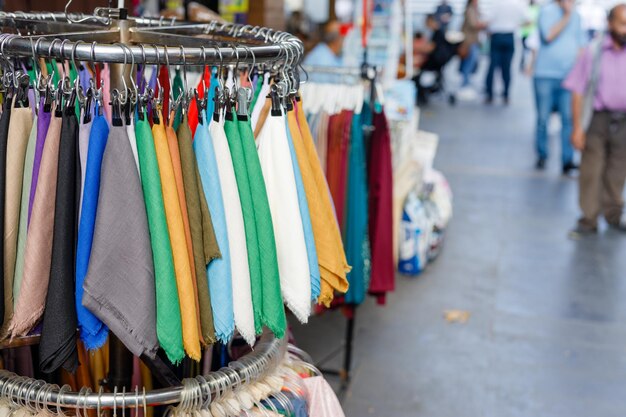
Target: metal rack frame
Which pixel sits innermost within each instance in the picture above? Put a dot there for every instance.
(189, 44)
(266, 356)
(112, 38)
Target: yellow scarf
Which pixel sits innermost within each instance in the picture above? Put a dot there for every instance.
(176, 228)
(330, 252)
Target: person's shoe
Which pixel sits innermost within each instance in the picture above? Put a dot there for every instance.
(619, 226)
(569, 167)
(541, 164)
(580, 232)
(506, 101)
(488, 100)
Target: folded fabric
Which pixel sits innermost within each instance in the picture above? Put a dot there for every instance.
(43, 122)
(309, 239)
(201, 231)
(272, 310)
(93, 332)
(4, 137)
(330, 252)
(337, 160)
(295, 280)
(205, 82)
(172, 143)
(219, 270)
(84, 130)
(176, 228)
(57, 346)
(23, 227)
(356, 237)
(255, 289)
(168, 320)
(20, 126)
(177, 91)
(260, 101)
(37, 254)
(132, 140)
(247, 314)
(164, 81)
(244, 317)
(380, 208)
(119, 287)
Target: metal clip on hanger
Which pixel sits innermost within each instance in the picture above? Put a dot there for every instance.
(58, 110)
(48, 95)
(21, 94)
(243, 101)
(116, 109)
(157, 97)
(276, 105)
(219, 101)
(201, 104)
(88, 102)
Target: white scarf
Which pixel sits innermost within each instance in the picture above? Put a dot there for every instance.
(258, 106)
(242, 294)
(293, 264)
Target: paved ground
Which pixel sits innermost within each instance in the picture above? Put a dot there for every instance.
(547, 333)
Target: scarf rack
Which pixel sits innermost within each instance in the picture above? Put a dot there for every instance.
(110, 36)
(369, 74)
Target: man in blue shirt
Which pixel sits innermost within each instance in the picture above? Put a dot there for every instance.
(327, 53)
(562, 38)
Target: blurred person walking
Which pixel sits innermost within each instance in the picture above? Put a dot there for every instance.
(529, 30)
(504, 20)
(561, 40)
(470, 49)
(597, 85)
(443, 14)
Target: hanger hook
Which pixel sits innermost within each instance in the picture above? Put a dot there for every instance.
(167, 63)
(115, 401)
(137, 401)
(124, 401)
(5, 39)
(62, 53)
(123, 96)
(73, 58)
(32, 49)
(143, 65)
(60, 399)
(134, 89)
(220, 68)
(158, 57)
(99, 403)
(145, 402)
(235, 71)
(248, 49)
(184, 56)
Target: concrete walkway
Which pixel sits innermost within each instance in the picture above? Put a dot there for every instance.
(547, 332)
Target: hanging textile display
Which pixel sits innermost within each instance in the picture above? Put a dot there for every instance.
(354, 147)
(172, 218)
(58, 334)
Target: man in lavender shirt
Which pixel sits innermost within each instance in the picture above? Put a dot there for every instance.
(603, 145)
